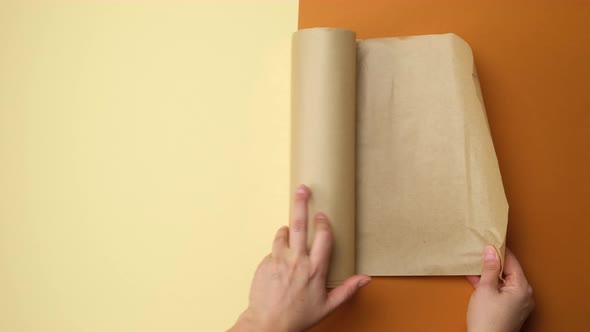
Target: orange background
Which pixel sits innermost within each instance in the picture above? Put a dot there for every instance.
(533, 60)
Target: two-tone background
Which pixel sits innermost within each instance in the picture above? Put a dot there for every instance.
(144, 157)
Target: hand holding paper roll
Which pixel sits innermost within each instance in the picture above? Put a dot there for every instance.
(288, 291)
(392, 138)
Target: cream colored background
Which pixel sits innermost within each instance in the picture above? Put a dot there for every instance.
(143, 160)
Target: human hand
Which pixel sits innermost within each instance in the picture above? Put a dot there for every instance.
(497, 306)
(288, 292)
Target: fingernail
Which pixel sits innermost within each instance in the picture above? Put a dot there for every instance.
(364, 282)
(302, 189)
(320, 216)
(489, 254)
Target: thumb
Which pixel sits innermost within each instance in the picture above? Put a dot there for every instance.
(491, 269)
(345, 291)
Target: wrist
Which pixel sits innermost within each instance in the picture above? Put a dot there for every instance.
(249, 322)
(490, 328)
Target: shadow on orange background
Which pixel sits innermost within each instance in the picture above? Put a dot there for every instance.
(533, 61)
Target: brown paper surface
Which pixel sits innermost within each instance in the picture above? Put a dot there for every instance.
(428, 195)
(323, 98)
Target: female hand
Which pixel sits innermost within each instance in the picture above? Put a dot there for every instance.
(497, 306)
(289, 288)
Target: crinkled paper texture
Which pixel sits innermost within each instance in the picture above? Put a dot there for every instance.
(408, 177)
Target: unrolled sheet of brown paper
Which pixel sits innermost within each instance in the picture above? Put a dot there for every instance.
(409, 177)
